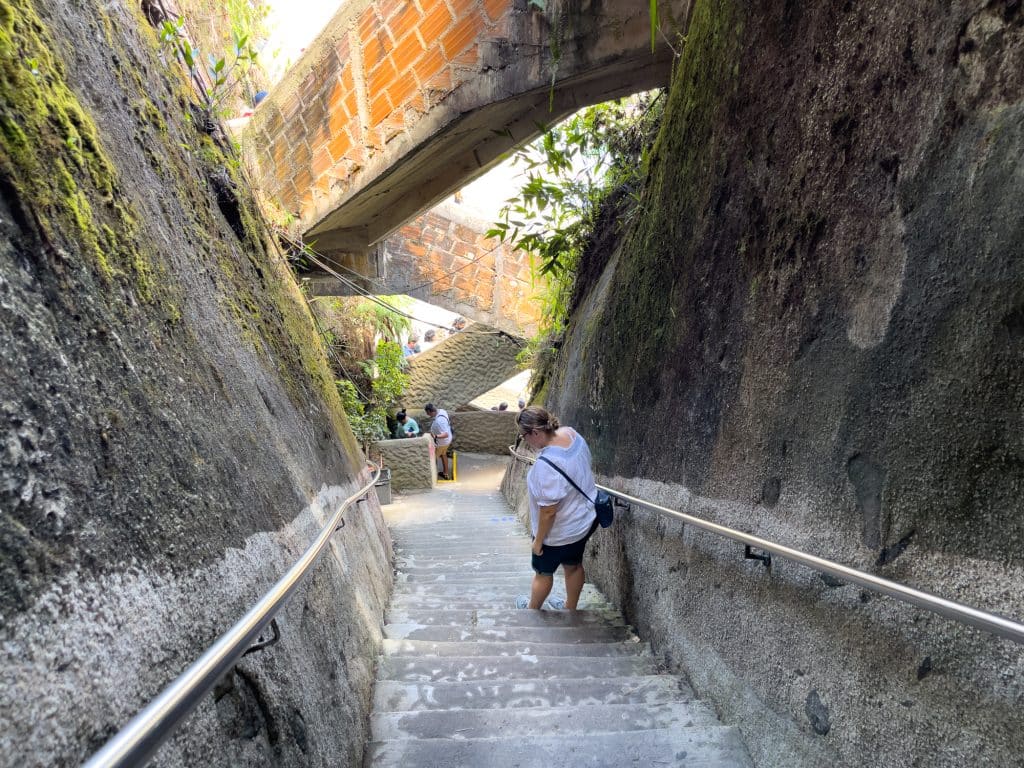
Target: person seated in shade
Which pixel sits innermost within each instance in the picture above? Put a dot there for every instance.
(407, 426)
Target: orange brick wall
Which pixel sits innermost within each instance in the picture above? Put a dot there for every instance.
(450, 264)
(396, 60)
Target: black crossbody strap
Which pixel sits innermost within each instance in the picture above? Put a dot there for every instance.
(560, 471)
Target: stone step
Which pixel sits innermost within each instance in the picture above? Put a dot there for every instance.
(467, 564)
(537, 721)
(588, 634)
(698, 747)
(436, 669)
(509, 617)
(462, 527)
(498, 596)
(391, 696)
(430, 648)
(460, 577)
(498, 588)
(484, 602)
(474, 549)
(465, 543)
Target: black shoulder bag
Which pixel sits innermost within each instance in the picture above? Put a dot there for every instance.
(602, 501)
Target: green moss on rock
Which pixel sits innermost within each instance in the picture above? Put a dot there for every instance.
(43, 128)
(657, 255)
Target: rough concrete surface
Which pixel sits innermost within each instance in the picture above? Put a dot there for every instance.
(813, 334)
(411, 461)
(461, 368)
(166, 421)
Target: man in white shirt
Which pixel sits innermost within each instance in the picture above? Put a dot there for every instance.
(441, 429)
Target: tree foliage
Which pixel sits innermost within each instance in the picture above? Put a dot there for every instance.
(569, 173)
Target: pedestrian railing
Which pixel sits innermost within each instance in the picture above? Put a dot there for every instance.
(137, 741)
(990, 622)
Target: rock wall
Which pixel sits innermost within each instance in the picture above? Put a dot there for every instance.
(490, 432)
(461, 368)
(171, 440)
(411, 460)
(813, 333)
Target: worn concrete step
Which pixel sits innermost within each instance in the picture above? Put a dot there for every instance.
(462, 529)
(589, 634)
(698, 747)
(504, 584)
(508, 617)
(497, 587)
(426, 669)
(465, 564)
(503, 596)
(391, 696)
(474, 549)
(453, 518)
(512, 648)
(460, 577)
(483, 602)
(537, 721)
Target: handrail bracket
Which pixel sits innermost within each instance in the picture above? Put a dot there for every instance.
(764, 557)
(260, 644)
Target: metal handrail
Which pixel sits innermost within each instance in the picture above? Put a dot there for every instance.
(990, 622)
(137, 741)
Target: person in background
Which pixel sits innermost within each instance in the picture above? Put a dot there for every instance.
(561, 518)
(521, 403)
(412, 346)
(503, 406)
(441, 429)
(407, 426)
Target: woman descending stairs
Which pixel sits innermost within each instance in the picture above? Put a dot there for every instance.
(467, 679)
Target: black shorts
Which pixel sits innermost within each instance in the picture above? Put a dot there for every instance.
(565, 554)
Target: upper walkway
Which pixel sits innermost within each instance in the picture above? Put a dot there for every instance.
(398, 102)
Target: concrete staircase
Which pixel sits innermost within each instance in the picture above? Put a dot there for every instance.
(466, 679)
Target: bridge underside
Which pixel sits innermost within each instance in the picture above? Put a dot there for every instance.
(443, 259)
(397, 105)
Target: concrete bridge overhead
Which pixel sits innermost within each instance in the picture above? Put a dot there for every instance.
(400, 102)
(442, 257)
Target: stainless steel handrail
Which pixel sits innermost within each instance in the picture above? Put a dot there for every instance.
(137, 741)
(990, 622)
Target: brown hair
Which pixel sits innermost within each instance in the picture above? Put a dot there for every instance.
(536, 417)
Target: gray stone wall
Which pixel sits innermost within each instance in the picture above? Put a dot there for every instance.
(411, 461)
(479, 431)
(169, 439)
(813, 334)
(461, 368)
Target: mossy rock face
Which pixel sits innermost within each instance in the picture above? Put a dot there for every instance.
(814, 334)
(167, 413)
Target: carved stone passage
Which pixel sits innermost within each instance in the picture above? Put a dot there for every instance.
(398, 103)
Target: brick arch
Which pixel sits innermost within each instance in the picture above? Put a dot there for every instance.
(399, 102)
